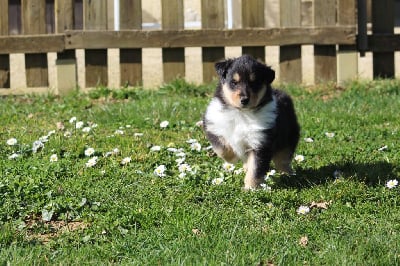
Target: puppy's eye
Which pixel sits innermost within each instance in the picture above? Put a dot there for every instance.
(234, 82)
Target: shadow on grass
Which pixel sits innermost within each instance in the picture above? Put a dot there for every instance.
(372, 174)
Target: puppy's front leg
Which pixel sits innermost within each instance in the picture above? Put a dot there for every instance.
(222, 148)
(256, 166)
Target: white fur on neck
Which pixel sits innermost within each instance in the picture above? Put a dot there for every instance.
(241, 128)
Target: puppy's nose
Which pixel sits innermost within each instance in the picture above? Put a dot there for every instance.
(244, 100)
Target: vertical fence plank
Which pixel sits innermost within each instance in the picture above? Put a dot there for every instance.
(173, 58)
(33, 22)
(347, 54)
(290, 55)
(325, 55)
(66, 61)
(212, 16)
(130, 59)
(95, 18)
(252, 17)
(383, 23)
(4, 58)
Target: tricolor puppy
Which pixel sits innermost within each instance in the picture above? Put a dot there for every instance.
(248, 120)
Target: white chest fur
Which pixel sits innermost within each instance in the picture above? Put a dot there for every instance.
(243, 129)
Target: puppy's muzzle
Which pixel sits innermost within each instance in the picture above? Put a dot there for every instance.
(244, 100)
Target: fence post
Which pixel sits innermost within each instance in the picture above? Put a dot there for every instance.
(173, 58)
(347, 57)
(252, 17)
(130, 59)
(212, 16)
(33, 22)
(66, 61)
(95, 18)
(383, 23)
(290, 55)
(4, 58)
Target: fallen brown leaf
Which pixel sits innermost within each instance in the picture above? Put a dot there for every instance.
(320, 205)
(196, 231)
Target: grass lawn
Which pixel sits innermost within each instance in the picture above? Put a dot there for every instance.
(94, 179)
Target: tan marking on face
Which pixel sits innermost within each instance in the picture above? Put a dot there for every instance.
(236, 77)
(252, 77)
(231, 97)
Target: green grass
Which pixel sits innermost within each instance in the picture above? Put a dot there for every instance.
(125, 214)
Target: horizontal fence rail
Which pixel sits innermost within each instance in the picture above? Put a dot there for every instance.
(53, 35)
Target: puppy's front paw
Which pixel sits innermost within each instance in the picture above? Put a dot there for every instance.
(252, 183)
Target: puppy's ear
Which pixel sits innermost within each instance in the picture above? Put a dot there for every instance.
(269, 74)
(222, 68)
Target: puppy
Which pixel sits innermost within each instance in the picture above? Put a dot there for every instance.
(250, 121)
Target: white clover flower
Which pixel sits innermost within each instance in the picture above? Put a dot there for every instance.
(138, 134)
(12, 142)
(184, 168)
(195, 146)
(265, 187)
(79, 124)
(128, 126)
(329, 134)
(51, 132)
(269, 174)
(309, 140)
(303, 210)
(86, 129)
(53, 158)
(67, 134)
(115, 151)
(171, 149)
(217, 181)
(383, 148)
(228, 167)
(180, 160)
(72, 120)
(299, 158)
(238, 171)
(37, 145)
(44, 139)
(182, 175)
(392, 183)
(108, 154)
(13, 156)
(119, 132)
(94, 125)
(180, 154)
(160, 170)
(190, 141)
(164, 124)
(126, 160)
(89, 152)
(155, 148)
(92, 162)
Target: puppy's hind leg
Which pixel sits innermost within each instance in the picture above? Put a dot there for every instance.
(282, 160)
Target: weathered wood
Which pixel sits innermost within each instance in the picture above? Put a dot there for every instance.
(64, 15)
(4, 18)
(253, 16)
(66, 61)
(95, 15)
(212, 17)
(383, 23)
(130, 59)
(209, 37)
(290, 55)
(324, 55)
(32, 43)
(347, 55)
(96, 67)
(173, 58)
(4, 59)
(95, 18)
(33, 22)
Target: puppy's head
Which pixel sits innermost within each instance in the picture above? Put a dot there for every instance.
(245, 82)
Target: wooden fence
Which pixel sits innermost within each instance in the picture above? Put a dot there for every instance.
(36, 28)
